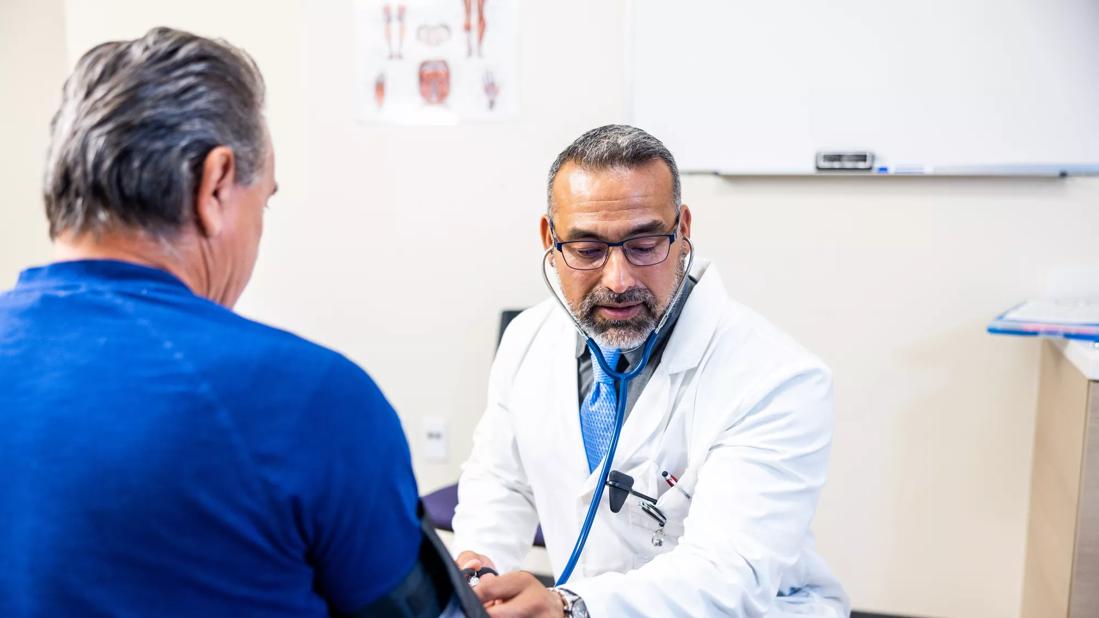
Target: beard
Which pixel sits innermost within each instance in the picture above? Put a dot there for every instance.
(619, 334)
(625, 334)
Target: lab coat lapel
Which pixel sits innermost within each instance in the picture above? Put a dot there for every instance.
(697, 322)
(650, 412)
(563, 397)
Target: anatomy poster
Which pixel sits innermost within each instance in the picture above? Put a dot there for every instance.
(437, 62)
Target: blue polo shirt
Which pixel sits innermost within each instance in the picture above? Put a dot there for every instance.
(160, 455)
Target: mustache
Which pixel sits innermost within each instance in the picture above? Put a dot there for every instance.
(604, 296)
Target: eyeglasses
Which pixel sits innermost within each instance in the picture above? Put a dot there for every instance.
(647, 250)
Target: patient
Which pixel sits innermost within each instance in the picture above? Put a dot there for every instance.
(162, 455)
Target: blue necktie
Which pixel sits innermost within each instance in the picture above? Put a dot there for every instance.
(597, 411)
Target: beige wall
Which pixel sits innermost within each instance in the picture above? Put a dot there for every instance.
(32, 68)
(891, 280)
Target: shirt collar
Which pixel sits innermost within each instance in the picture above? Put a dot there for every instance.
(634, 356)
(101, 273)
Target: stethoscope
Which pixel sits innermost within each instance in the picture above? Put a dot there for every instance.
(622, 382)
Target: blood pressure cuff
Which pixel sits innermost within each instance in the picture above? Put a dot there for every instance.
(432, 587)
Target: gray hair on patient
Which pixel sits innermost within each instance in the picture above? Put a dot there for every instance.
(136, 122)
(614, 146)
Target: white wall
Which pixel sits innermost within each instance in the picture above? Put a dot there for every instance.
(892, 284)
(32, 68)
(891, 280)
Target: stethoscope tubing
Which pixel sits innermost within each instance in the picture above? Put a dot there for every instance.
(622, 381)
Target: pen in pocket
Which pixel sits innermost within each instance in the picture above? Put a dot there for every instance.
(673, 482)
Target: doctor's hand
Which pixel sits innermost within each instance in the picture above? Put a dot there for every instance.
(519, 595)
(473, 560)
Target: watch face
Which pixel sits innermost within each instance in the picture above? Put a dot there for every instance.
(574, 605)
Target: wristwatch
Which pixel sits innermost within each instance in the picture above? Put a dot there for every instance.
(572, 603)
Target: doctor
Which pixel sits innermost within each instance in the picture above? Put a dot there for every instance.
(736, 412)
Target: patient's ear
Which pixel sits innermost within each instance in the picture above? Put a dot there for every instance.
(215, 188)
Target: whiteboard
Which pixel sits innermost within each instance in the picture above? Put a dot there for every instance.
(759, 86)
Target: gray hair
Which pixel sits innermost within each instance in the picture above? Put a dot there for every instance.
(136, 122)
(614, 146)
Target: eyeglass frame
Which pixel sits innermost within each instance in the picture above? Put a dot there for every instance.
(671, 236)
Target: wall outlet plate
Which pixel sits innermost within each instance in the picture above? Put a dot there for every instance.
(435, 434)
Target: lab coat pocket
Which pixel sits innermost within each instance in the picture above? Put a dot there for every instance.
(650, 538)
(675, 504)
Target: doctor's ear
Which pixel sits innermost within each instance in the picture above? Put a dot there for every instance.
(684, 221)
(544, 231)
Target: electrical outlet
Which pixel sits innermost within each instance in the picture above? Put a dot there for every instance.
(435, 438)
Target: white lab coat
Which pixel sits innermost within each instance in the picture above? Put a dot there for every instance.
(736, 409)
